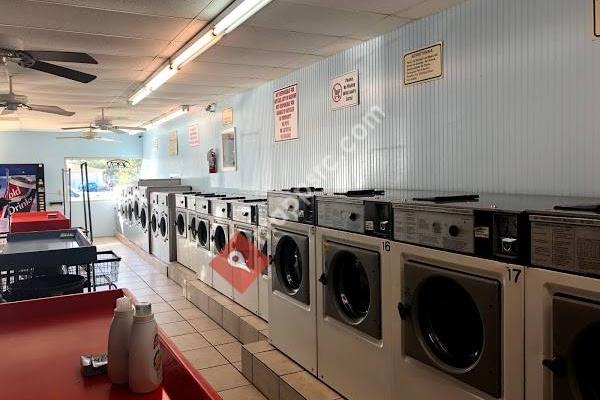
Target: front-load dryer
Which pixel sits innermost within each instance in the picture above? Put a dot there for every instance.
(264, 247)
(458, 326)
(354, 335)
(292, 304)
(193, 248)
(165, 247)
(204, 228)
(562, 313)
(181, 229)
(143, 222)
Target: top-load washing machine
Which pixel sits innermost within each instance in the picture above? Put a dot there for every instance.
(458, 299)
(353, 266)
(247, 262)
(562, 312)
(203, 227)
(292, 304)
(163, 240)
(264, 247)
(220, 243)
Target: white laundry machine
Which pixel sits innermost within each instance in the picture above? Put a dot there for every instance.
(247, 262)
(120, 211)
(136, 233)
(193, 249)
(181, 229)
(220, 244)
(204, 226)
(164, 245)
(129, 221)
(292, 304)
(562, 298)
(264, 247)
(459, 323)
(353, 267)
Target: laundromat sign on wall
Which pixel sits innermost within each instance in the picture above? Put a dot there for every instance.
(344, 91)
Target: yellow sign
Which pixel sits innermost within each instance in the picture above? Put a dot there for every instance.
(424, 64)
(597, 18)
(228, 116)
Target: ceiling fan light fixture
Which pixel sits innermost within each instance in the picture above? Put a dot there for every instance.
(239, 15)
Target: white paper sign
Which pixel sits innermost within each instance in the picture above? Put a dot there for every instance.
(193, 136)
(155, 143)
(173, 143)
(285, 111)
(344, 90)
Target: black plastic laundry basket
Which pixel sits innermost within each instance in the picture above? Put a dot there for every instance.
(45, 286)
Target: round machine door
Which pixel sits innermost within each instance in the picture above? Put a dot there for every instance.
(576, 329)
(129, 212)
(193, 228)
(453, 323)
(241, 247)
(219, 239)
(143, 218)
(352, 280)
(203, 229)
(136, 210)
(291, 265)
(154, 224)
(163, 228)
(180, 224)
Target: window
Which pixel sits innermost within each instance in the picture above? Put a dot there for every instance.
(106, 177)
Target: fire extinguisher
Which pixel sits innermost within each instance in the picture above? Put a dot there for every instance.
(211, 157)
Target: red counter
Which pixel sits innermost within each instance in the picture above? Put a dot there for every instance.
(39, 221)
(41, 342)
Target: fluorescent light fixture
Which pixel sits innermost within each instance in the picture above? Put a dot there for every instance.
(168, 116)
(154, 83)
(197, 47)
(238, 15)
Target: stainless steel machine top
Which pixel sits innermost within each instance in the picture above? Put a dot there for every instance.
(221, 206)
(246, 210)
(294, 204)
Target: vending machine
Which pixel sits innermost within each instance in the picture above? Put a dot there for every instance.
(22, 189)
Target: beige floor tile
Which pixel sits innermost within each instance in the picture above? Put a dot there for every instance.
(265, 380)
(255, 322)
(259, 347)
(205, 358)
(171, 289)
(173, 297)
(192, 313)
(181, 304)
(224, 377)
(218, 336)
(167, 317)
(231, 351)
(278, 362)
(177, 328)
(190, 341)
(161, 307)
(203, 324)
(237, 365)
(302, 385)
(143, 292)
(242, 393)
(132, 286)
(150, 298)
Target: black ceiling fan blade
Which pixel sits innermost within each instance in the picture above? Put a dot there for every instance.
(62, 56)
(62, 72)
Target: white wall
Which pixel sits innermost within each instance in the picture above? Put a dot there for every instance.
(515, 112)
(42, 147)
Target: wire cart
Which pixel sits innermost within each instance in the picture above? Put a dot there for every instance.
(104, 272)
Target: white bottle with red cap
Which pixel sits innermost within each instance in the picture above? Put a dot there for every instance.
(145, 362)
(118, 342)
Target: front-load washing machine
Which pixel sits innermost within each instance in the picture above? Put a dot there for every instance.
(136, 231)
(562, 312)
(292, 304)
(193, 248)
(354, 334)
(458, 326)
(164, 247)
(120, 212)
(204, 226)
(181, 229)
(141, 209)
(129, 222)
(220, 244)
(246, 261)
(264, 247)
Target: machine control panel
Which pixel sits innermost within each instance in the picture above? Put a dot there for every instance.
(292, 207)
(180, 200)
(221, 207)
(245, 212)
(340, 213)
(438, 227)
(566, 244)
(263, 214)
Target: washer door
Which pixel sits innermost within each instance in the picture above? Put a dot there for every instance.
(352, 280)
(163, 227)
(453, 323)
(220, 239)
(180, 224)
(154, 224)
(193, 228)
(576, 347)
(203, 230)
(144, 219)
(129, 212)
(291, 265)
(241, 245)
(136, 210)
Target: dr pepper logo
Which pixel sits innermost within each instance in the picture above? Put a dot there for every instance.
(240, 262)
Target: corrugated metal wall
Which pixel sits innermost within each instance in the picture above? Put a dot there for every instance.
(517, 111)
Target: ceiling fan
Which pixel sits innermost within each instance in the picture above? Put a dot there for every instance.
(11, 102)
(105, 124)
(11, 49)
(90, 134)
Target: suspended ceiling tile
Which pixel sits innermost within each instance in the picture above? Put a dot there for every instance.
(167, 8)
(337, 46)
(247, 56)
(234, 70)
(217, 80)
(378, 6)
(85, 20)
(385, 25)
(427, 8)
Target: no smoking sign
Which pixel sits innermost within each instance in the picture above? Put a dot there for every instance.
(344, 90)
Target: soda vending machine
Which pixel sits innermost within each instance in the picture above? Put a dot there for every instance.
(22, 189)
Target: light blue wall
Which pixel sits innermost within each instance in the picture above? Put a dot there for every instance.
(517, 111)
(42, 147)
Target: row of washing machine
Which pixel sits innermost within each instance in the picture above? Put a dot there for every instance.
(427, 296)
(224, 238)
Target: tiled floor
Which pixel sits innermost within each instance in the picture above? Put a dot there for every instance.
(209, 348)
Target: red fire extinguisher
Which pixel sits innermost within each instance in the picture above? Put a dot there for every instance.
(211, 157)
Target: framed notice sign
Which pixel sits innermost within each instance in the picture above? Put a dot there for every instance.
(285, 112)
(424, 64)
(597, 18)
